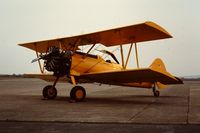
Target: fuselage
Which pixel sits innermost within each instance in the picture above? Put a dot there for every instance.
(87, 63)
(83, 63)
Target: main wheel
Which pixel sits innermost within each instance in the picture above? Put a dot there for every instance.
(49, 92)
(156, 93)
(78, 93)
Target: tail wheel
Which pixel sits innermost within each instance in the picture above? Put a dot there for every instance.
(156, 93)
(49, 92)
(78, 93)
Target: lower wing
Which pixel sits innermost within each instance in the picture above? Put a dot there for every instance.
(124, 77)
(130, 76)
(47, 77)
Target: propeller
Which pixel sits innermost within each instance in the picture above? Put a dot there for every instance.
(56, 61)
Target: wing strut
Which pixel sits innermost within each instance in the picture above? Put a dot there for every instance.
(84, 57)
(60, 44)
(129, 52)
(90, 49)
(40, 66)
(122, 56)
(136, 52)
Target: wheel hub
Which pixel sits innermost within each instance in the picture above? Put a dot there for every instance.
(51, 92)
(79, 94)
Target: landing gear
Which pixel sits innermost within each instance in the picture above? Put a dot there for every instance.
(156, 93)
(58, 61)
(49, 92)
(78, 93)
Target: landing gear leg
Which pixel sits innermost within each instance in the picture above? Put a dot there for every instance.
(156, 93)
(50, 91)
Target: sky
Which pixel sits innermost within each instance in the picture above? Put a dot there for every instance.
(33, 20)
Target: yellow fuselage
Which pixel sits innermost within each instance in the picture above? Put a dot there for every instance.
(82, 63)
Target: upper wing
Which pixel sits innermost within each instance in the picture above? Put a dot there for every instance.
(130, 34)
(130, 76)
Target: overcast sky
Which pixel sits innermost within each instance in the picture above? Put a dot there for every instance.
(32, 20)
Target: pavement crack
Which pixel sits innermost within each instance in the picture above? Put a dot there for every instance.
(188, 106)
(139, 112)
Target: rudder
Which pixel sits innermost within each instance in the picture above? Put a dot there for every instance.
(158, 65)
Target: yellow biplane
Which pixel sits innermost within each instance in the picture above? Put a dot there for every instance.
(63, 61)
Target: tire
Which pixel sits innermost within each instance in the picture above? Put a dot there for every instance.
(78, 93)
(49, 92)
(156, 93)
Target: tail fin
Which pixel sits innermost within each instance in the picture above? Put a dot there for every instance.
(159, 66)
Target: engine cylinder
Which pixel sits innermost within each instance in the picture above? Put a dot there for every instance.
(58, 62)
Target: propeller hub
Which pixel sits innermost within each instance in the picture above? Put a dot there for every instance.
(57, 61)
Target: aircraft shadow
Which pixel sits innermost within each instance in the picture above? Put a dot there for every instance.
(140, 99)
(124, 100)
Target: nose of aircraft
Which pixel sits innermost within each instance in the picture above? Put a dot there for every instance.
(57, 61)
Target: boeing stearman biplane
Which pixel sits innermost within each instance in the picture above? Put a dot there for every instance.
(64, 61)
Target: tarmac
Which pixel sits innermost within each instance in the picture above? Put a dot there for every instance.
(113, 108)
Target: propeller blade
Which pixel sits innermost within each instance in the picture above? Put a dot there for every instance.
(34, 60)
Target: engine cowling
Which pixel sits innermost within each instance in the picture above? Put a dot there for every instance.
(57, 61)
